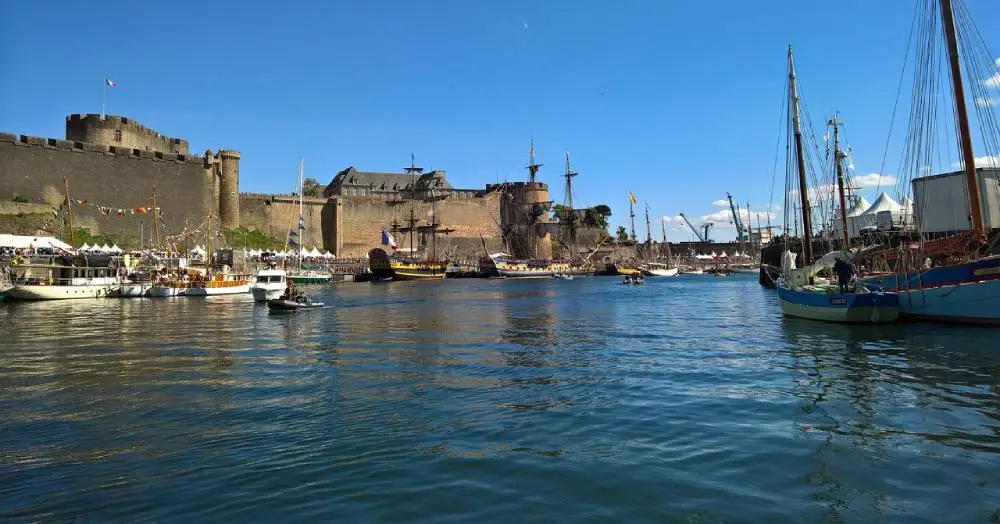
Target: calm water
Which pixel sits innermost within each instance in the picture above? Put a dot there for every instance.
(685, 400)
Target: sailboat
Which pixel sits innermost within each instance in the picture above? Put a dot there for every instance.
(300, 274)
(656, 268)
(964, 284)
(386, 266)
(802, 292)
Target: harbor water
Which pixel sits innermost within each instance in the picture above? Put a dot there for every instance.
(687, 399)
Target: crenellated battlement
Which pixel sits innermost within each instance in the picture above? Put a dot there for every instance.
(119, 130)
(89, 147)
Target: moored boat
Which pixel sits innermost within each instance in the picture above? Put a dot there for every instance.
(270, 284)
(64, 277)
(657, 269)
(385, 266)
(220, 284)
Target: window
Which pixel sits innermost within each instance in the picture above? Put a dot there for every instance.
(118, 135)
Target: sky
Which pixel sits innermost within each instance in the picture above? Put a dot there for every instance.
(678, 102)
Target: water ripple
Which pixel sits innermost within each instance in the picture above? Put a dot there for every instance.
(686, 400)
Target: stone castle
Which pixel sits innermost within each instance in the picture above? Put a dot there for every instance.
(114, 162)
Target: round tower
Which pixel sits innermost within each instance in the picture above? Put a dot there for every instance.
(524, 216)
(229, 188)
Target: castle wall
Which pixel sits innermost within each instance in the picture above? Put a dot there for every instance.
(117, 177)
(360, 220)
(229, 188)
(120, 131)
(276, 214)
(525, 217)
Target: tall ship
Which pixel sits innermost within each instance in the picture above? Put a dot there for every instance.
(952, 273)
(393, 265)
(526, 230)
(301, 273)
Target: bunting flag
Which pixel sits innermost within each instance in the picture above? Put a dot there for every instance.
(302, 221)
(632, 198)
(292, 241)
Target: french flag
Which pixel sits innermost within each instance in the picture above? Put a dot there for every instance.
(387, 239)
(110, 82)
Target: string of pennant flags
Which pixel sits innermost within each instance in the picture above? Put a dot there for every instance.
(119, 211)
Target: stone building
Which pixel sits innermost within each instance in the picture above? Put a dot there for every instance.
(112, 162)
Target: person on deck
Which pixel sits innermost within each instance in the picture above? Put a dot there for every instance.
(844, 273)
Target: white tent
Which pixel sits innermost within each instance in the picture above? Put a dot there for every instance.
(315, 253)
(85, 247)
(116, 249)
(327, 254)
(723, 255)
(26, 241)
(859, 207)
(883, 203)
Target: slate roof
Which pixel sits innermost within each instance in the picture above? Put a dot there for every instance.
(351, 177)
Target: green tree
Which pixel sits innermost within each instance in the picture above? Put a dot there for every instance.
(558, 211)
(597, 216)
(312, 188)
(622, 234)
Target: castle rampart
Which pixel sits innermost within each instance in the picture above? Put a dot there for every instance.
(120, 131)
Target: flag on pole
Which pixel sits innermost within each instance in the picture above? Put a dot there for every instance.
(110, 83)
(387, 239)
(632, 198)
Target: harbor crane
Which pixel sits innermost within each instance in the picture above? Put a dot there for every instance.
(736, 219)
(706, 226)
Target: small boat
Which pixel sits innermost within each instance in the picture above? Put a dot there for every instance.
(693, 272)
(656, 269)
(562, 276)
(4, 289)
(292, 300)
(270, 284)
(804, 294)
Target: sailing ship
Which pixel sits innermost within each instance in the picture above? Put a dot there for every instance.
(959, 278)
(300, 274)
(196, 283)
(655, 268)
(802, 292)
(526, 262)
(385, 266)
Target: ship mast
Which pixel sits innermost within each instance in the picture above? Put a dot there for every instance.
(801, 163)
(838, 164)
(411, 222)
(649, 235)
(156, 222)
(301, 216)
(631, 215)
(532, 171)
(666, 245)
(965, 139)
(69, 213)
(570, 213)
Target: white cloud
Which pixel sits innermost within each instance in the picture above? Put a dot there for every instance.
(723, 218)
(721, 203)
(987, 161)
(997, 62)
(993, 81)
(983, 101)
(672, 220)
(873, 180)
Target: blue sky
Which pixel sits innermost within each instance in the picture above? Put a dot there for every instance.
(675, 101)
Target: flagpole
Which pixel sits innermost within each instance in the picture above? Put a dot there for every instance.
(104, 96)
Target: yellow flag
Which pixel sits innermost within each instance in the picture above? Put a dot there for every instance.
(632, 198)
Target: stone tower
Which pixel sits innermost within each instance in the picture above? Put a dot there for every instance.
(120, 131)
(229, 188)
(524, 218)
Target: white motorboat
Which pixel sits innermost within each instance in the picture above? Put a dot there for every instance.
(269, 285)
